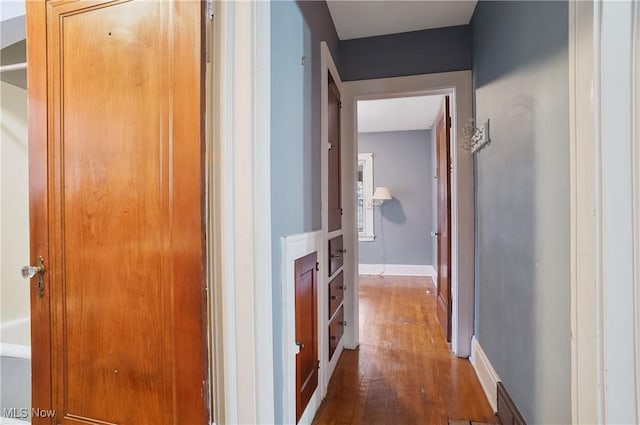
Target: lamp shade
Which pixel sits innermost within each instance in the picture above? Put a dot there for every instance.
(381, 194)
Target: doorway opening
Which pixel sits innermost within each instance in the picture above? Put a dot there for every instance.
(403, 201)
(456, 85)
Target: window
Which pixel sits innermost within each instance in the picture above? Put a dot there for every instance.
(365, 193)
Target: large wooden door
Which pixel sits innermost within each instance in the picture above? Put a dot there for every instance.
(334, 172)
(306, 283)
(443, 155)
(116, 193)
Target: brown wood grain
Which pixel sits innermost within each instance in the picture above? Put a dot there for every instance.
(336, 254)
(443, 158)
(336, 330)
(336, 293)
(121, 149)
(403, 373)
(334, 169)
(306, 304)
(41, 397)
(508, 412)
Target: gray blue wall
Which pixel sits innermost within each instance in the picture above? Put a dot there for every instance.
(403, 162)
(521, 80)
(409, 53)
(15, 382)
(297, 28)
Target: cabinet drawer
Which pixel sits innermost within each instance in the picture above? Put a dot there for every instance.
(336, 330)
(336, 293)
(336, 254)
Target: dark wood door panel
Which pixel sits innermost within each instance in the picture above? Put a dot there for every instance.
(443, 155)
(336, 293)
(334, 170)
(336, 330)
(306, 305)
(124, 170)
(336, 254)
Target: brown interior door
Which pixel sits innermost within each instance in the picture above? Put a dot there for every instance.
(335, 189)
(443, 155)
(306, 284)
(116, 194)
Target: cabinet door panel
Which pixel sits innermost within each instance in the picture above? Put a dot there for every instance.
(117, 189)
(334, 171)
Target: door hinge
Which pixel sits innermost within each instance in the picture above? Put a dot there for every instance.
(340, 105)
(341, 212)
(211, 9)
(318, 364)
(449, 122)
(317, 266)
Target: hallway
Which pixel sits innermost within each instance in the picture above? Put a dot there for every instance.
(403, 373)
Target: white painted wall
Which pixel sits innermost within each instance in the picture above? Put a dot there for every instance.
(14, 211)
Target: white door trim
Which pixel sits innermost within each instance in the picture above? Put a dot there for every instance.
(328, 66)
(240, 223)
(458, 85)
(587, 393)
(605, 205)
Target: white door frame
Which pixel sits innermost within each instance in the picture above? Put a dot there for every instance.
(328, 67)
(604, 58)
(458, 85)
(239, 222)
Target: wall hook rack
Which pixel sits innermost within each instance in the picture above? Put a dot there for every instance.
(473, 138)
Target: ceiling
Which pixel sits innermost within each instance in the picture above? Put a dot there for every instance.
(366, 18)
(398, 114)
(11, 8)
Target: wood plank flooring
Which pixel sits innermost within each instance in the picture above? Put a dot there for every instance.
(403, 373)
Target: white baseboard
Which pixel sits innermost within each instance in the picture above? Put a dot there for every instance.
(311, 409)
(15, 351)
(398, 269)
(486, 373)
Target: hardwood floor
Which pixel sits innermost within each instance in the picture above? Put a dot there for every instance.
(403, 373)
